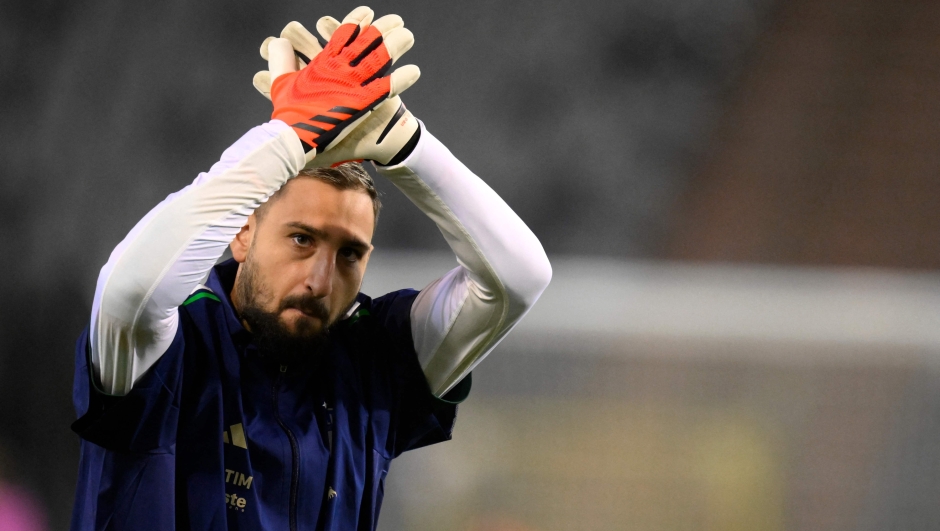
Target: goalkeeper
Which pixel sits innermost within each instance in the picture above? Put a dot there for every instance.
(266, 392)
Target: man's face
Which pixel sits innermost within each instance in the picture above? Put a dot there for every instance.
(301, 266)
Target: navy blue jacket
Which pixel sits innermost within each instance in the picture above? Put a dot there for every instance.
(215, 437)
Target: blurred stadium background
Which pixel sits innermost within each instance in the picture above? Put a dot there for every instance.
(739, 197)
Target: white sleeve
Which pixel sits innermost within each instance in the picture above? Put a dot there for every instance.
(459, 318)
(171, 250)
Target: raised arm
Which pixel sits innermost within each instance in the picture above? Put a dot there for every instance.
(458, 319)
(171, 250)
(135, 310)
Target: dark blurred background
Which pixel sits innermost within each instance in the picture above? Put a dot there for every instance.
(791, 133)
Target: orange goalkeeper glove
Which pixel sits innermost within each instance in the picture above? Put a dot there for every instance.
(342, 84)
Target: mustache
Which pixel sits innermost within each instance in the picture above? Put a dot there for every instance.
(308, 304)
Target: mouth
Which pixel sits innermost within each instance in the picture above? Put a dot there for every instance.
(301, 313)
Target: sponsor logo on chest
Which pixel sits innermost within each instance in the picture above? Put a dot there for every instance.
(234, 479)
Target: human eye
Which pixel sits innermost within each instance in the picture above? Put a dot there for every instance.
(301, 240)
(350, 255)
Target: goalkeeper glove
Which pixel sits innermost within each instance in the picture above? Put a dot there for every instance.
(390, 132)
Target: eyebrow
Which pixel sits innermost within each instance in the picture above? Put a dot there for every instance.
(350, 241)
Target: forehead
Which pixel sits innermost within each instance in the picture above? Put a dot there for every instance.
(322, 205)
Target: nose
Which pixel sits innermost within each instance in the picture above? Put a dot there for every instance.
(320, 277)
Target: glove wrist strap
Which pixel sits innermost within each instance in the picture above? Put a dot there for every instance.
(405, 150)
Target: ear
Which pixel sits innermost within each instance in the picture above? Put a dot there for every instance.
(242, 241)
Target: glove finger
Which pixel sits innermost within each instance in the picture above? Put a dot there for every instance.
(264, 47)
(326, 26)
(403, 78)
(281, 58)
(301, 62)
(362, 15)
(388, 23)
(367, 43)
(399, 41)
(346, 33)
(262, 82)
(302, 40)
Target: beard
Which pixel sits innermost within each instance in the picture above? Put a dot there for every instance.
(276, 341)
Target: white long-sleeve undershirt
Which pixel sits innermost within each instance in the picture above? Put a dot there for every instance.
(456, 320)
(459, 318)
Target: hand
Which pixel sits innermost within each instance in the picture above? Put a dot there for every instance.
(386, 135)
(343, 83)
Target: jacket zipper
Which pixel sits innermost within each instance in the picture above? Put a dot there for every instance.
(294, 450)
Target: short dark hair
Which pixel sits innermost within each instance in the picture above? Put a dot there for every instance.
(346, 176)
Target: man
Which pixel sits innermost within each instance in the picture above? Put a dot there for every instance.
(275, 395)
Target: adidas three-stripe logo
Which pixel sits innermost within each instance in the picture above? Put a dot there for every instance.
(237, 437)
(325, 136)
